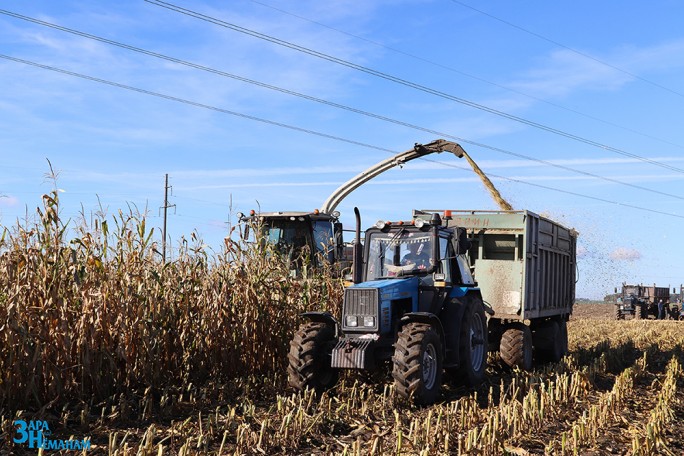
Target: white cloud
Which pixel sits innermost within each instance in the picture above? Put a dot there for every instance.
(625, 254)
(582, 251)
(8, 201)
(566, 71)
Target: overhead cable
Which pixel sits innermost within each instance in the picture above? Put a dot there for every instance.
(561, 45)
(326, 102)
(304, 130)
(406, 83)
(470, 75)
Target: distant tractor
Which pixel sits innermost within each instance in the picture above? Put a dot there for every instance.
(678, 297)
(641, 302)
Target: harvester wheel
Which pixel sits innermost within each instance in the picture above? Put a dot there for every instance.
(309, 358)
(473, 346)
(548, 342)
(417, 362)
(516, 346)
(618, 314)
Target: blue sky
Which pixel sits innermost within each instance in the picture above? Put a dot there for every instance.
(607, 75)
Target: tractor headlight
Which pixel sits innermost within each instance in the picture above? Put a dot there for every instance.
(351, 320)
(368, 321)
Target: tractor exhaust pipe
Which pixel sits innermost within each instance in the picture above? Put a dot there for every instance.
(357, 260)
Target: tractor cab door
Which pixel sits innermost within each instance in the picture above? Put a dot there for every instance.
(324, 240)
(435, 288)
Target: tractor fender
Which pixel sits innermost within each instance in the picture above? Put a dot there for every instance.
(425, 317)
(322, 317)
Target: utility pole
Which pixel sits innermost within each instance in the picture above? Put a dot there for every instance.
(166, 206)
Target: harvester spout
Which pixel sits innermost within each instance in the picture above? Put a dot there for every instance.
(442, 145)
(419, 150)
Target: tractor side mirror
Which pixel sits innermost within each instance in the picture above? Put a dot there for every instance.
(338, 240)
(464, 243)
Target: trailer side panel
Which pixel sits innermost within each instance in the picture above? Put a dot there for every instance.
(524, 264)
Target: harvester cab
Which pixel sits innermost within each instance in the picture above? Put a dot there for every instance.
(313, 237)
(413, 303)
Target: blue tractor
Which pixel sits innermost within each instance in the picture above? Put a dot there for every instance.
(413, 304)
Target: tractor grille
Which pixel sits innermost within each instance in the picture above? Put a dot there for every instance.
(360, 302)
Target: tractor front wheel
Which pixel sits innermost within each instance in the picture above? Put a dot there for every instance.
(417, 362)
(309, 358)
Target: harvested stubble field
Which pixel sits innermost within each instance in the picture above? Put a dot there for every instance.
(101, 340)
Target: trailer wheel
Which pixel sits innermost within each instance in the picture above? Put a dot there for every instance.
(417, 362)
(563, 326)
(516, 346)
(309, 358)
(473, 345)
(548, 342)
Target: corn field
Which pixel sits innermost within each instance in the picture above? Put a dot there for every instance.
(100, 315)
(102, 339)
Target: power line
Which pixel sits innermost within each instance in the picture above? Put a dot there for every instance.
(325, 102)
(583, 54)
(471, 76)
(304, 130)
(406, 83)
(194, 103)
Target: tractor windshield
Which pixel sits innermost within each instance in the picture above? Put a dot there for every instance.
(398, 253)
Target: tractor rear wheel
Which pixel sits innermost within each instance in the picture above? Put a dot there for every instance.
(516, 346)
(309, 358)
(618, 314)
(417, 362)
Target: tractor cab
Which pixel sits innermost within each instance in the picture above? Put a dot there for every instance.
(416, 249)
